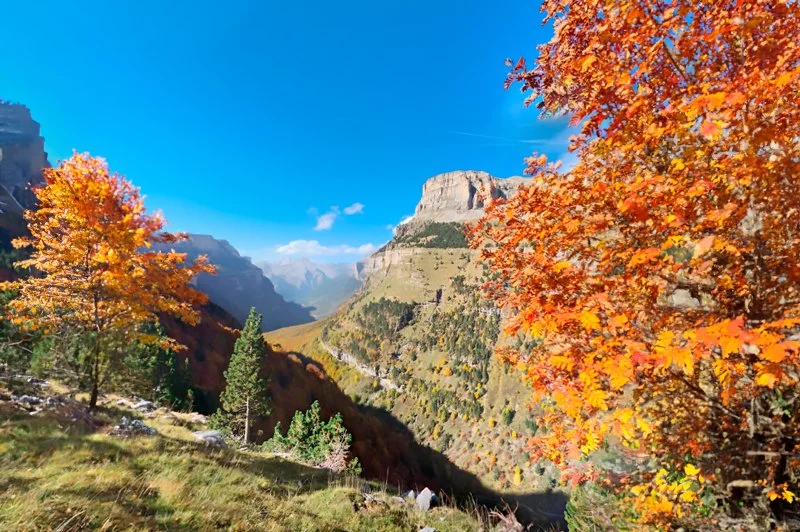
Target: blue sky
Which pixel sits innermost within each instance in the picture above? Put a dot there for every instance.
(251, 120)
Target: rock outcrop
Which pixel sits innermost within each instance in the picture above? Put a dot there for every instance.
(22, 159)
(239, 284)
(451, 198)
(460, 196)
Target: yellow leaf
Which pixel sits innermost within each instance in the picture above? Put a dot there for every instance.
(620, 319)
(597, 399)
(560, 266)
(690, 470)
(562, 362)
(766, 379)
(592, 443)
(589, 320)
(789, 496)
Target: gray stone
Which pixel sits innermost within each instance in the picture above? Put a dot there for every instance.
(139, 427)
(426, 499)
(128, 428)
(427, 529)
(52, 402)
(29, 400)
(144, 406)
(682, 298)
(410, 494)
(212, 438)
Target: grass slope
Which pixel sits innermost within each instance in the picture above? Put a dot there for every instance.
(64, 475)
(482, 444)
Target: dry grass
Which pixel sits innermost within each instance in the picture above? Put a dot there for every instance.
(63, 476)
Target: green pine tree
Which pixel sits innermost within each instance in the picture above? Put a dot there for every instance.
(245, 394)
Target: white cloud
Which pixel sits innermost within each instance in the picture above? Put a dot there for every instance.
(355, 208)
(314, 248)
(325, 221)
(405, 220)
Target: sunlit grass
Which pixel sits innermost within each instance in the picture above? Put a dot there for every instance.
(60, 476)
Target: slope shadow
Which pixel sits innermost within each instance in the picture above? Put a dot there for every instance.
(386, 447)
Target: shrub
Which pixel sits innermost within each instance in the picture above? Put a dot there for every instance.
(317, 442)
(508, 415)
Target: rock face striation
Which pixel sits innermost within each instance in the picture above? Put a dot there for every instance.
(22, 159)
(460, 196)
(239, 284)
(451, 198)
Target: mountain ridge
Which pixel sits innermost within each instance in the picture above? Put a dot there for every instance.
(239, 284)
(323, 286)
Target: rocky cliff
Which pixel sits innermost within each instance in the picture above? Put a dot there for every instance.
(460, 196)
(22, 158)
(448, 201)
(240, 285)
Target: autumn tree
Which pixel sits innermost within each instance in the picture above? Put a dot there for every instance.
(95, 273)
(245, 394)
(659, 275)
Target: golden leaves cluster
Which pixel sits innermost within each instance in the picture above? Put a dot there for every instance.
(93, 264)
(661, 273)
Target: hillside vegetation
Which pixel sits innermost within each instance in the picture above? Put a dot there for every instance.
(61, 474)
(422, 329)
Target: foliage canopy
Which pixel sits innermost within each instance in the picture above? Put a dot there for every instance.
(661, 272)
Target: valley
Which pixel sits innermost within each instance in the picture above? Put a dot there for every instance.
(257, 277)
(418, 340)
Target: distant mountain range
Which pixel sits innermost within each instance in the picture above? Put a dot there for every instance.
(239, 284)
(324, 287)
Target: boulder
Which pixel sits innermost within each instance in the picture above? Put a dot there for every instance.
(128, 428)
(212, 438)
(426, 500)
(144, 406)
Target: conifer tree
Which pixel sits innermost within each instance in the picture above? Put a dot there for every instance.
(245, 394)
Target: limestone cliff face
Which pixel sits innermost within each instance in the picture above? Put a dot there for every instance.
(22, 159)
(460, 196)
(22, 155)
(449, 198)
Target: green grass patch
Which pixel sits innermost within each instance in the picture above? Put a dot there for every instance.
(59, 476)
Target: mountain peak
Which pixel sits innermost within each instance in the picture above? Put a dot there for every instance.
(460, 195)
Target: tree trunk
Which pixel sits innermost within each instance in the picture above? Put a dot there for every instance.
(95, 375)
(247, 421)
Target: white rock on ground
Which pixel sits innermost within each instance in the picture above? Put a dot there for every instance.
(212, 438)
